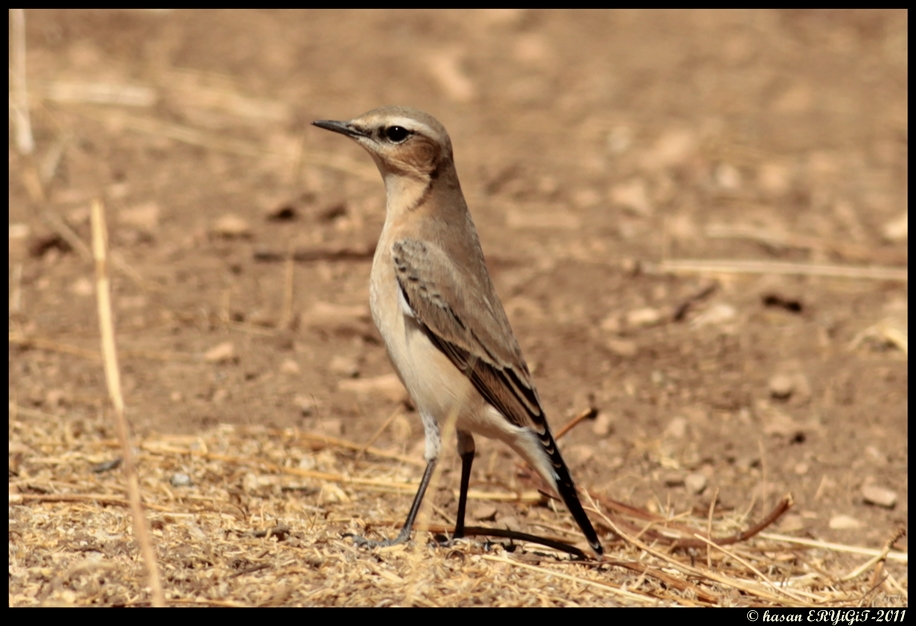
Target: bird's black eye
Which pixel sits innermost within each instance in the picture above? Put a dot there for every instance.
(396, 134)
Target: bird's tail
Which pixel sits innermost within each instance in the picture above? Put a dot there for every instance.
(567, 489)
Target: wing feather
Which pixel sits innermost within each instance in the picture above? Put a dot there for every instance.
(463, 318)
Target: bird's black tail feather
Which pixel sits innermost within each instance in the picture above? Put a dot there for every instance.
(567, 489)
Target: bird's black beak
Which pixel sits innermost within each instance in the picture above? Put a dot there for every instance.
(343, 128)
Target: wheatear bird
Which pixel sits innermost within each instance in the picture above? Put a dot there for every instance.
(432, 300)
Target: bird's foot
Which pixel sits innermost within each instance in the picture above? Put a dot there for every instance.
(369, 543)
(442, 541)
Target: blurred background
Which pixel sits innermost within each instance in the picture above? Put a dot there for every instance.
(601, 153)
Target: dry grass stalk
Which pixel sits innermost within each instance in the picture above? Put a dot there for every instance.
(310, 255)
(698, 266)
(59, 226)
(879, 558)
(787, 240)
(378, 433)
(19, 108)
(51, 161)
(902, 557)
(15, 300)
(89, 498)
(746, 586)
(65, 232)
(98, 93)
(248, 328)
(286, 311)
(113, 380)
(40, 343)
(587, 414)
(761, 575)
(19, 99)
(612, 589)
(51, 345)
(319, 442)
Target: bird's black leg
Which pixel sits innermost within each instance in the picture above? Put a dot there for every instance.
(411, 516)
(466, 450)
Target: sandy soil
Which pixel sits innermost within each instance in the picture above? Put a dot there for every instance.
(593, 149)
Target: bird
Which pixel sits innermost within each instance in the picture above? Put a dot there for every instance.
(444, 327)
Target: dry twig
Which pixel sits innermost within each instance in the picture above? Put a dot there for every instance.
(19, 99)
(697, 266)
(113, 379)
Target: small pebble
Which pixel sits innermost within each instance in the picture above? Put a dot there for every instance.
(644, 317)
(345, 365)
(602, 425)
(220, 353)
(180, 480)
(844, 522)
(879, 496)
(695, 483)
(781, 386)
(484, 512)
(625, 348)
(231, 226)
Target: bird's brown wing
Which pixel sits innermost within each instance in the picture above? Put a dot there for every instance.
(464, 318)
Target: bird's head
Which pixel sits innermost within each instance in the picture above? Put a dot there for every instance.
(402, 141)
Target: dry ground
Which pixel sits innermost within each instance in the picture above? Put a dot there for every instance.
(598, 152)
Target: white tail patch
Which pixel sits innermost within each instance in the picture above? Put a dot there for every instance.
(404, 304)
